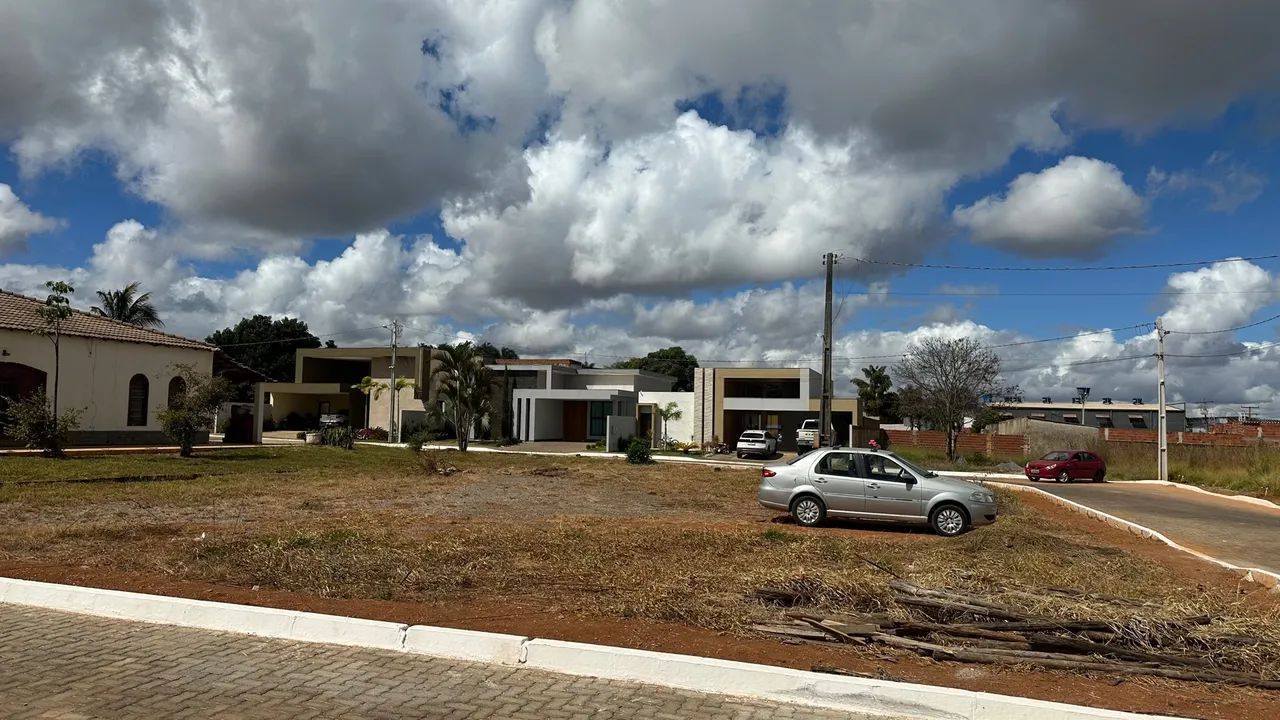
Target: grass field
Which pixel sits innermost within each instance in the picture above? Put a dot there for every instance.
(599, 537)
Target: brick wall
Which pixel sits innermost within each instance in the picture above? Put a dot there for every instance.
(1176, 438)
(990, 444)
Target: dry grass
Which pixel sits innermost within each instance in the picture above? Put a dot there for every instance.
(685, 544)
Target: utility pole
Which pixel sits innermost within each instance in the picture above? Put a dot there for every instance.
(394, 427)
(824, 435)
(1162, 422)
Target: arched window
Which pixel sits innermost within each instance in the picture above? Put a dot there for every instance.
(138, 391)
(177, 388)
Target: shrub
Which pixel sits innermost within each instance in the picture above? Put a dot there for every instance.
(597, 446)
(976, 458)
(302, 435)
(31, 423)
(189, 413)
(376, 434)
(638, 452)
(508, 441)
(422, 436)
(339, 436)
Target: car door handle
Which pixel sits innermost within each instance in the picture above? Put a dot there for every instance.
(873, 486)
(819, 480)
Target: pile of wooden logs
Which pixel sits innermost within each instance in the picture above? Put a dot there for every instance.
(965, 627)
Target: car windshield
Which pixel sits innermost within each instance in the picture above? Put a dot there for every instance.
(912, 466)
(1055, 456)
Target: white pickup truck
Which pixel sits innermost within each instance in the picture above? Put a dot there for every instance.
(807, 436)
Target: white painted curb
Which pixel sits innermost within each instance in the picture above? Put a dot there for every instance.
(679, 671)
(470, 645)
(850, 694)
(592, 454)
(1193, 488)
(1262, 577)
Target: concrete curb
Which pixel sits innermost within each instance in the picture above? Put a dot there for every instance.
(981, 475)
(1195, 488)
(764, 682)
(592, 454)
(924, 702)
(1265, 578)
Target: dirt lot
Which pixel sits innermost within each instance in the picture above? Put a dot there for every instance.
(659, 557)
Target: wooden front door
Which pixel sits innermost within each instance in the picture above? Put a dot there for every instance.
(575, 420)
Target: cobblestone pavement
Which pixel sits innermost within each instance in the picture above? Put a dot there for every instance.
(63, 666)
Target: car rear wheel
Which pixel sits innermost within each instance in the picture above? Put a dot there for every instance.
(948, 520)
(1064, 477)
(808, 511)
(741, 455)
(1099, 476)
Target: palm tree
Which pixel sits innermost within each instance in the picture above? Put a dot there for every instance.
(128, 306)
(467, 387)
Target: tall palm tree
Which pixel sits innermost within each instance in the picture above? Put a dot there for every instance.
(128, 306)
(467, 387)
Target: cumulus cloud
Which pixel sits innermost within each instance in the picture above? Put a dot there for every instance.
(691, 206)
(1226, 183)
(1073, 209)
(19, 222)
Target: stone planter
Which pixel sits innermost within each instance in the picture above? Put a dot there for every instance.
(312, 438)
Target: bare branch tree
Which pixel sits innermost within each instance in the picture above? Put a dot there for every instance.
(948, 379)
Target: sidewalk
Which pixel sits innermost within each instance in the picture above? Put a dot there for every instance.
(78, 667)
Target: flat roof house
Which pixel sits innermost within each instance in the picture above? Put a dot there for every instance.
(564, 400)
(1104, 414)
(728, 400)
(119, 375)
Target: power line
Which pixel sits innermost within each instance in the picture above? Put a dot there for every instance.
(1264, 321)
(1147, 266)
(1037, 293)
(1245, 351)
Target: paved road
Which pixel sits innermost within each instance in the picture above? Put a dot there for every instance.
(1240, 533)
(62, 666)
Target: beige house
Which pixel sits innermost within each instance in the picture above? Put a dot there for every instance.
(725, 401)
(118, 375)
(324, 384)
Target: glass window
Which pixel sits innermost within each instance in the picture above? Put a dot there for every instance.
(880, 467)
(837, 464)
(177, 388)
(138, 391)
(599, 414)
(1057, 455)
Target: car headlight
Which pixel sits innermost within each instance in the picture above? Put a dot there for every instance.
(982, 497)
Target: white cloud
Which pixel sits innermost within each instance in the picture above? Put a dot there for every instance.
(694, 205)
(19, 222)
(1073, 209)
(1227, 183)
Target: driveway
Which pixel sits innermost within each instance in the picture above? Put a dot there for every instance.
(1230, 530)
(78, 667)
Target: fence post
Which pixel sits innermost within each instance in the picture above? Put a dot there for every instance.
(991, 444)
(1179, 437)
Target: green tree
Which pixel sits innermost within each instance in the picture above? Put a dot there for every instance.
(264, 344)
(191, 408)
(673, 361)
(986, 417)
(467, 388)
(55, 311)
(875, 392)
(951, 376)
(128, 306)
(670, 411)
(375, 388)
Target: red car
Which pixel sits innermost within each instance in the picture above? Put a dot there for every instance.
(1068, 465)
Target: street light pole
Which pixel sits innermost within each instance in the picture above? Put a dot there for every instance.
(1162, 422)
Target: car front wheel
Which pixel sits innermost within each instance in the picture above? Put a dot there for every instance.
(1064, 477)
(808, 511)
(948, 520)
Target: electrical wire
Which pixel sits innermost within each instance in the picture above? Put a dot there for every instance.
(1245, 351)
(1264, 321)
(1147, 266)
(297, 339)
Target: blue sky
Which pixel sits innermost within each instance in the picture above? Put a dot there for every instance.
(647, 180)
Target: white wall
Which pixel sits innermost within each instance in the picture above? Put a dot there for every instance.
(617, 429)
(96, 374)
(548, 419)
(682, 429)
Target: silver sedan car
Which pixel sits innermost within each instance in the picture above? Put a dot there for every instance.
(873, 485)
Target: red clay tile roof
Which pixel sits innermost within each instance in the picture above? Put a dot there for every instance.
(18, 312)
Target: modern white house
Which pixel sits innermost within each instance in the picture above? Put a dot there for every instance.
(119, 376)
(564, 400)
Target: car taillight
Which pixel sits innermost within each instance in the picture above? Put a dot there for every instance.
(766, 472)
